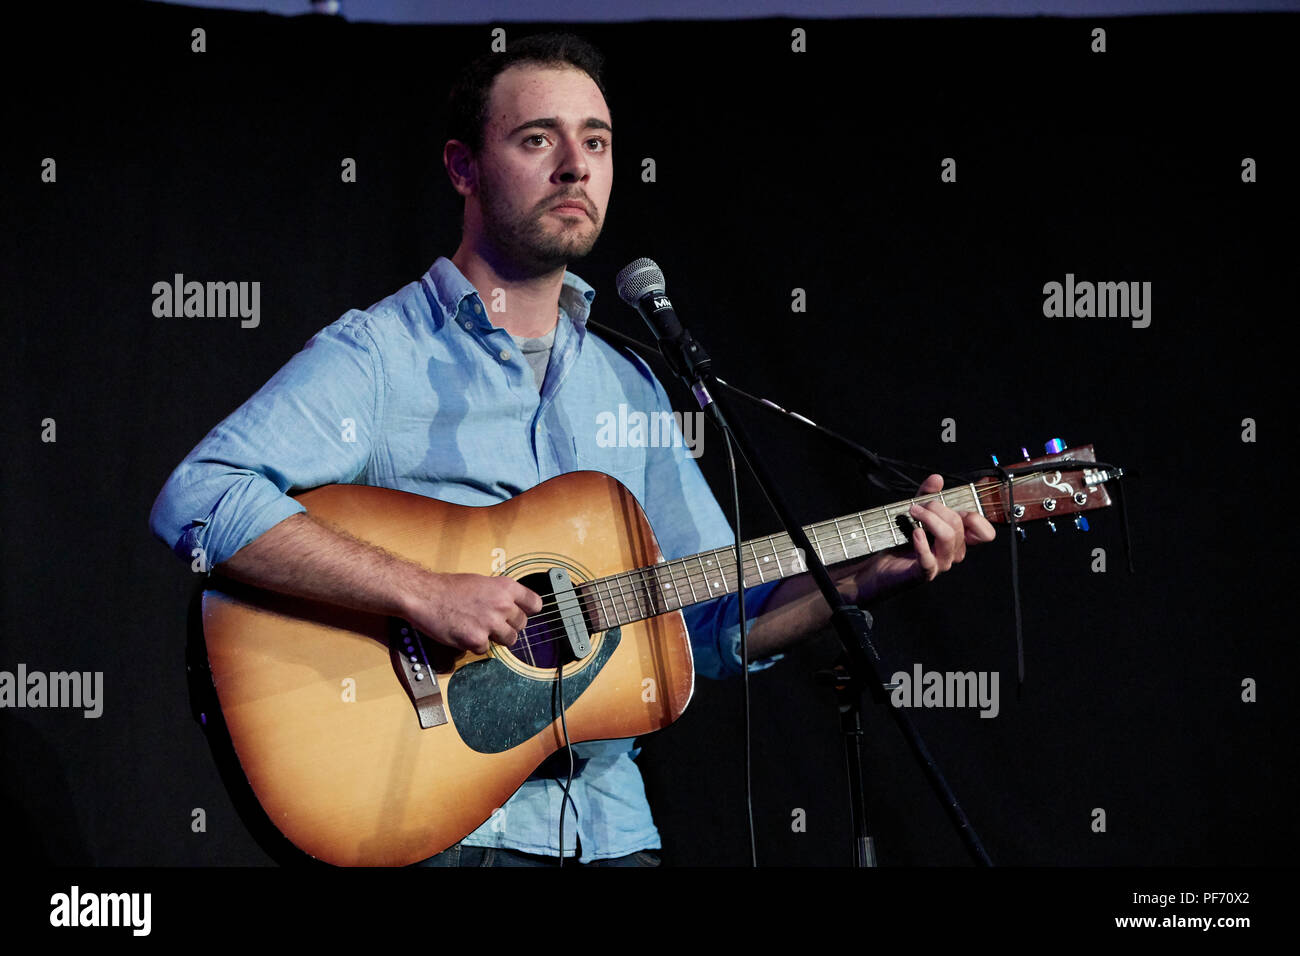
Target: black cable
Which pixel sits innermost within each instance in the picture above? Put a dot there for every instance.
(1123, 516)
(1015, 578)
(564, 727)
(744, 654)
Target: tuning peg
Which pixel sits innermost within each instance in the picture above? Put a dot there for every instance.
(1025, 451)
(1055, 446)
(1051, 526)
(995, 460)
(1021, 531)
(1081, 522)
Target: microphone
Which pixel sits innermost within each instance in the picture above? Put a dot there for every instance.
(641, 285)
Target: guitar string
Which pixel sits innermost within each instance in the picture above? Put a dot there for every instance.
(594, 598)
(597, 592)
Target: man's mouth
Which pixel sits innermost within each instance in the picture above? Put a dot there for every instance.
(572, 209)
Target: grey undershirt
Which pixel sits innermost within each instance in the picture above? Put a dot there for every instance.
(537, 352)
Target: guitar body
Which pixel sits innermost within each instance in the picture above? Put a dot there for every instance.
(328, 733)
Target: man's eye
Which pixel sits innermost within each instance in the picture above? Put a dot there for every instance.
(601, 144)
(538, 136)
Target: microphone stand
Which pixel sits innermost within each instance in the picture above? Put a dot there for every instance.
(852, 624)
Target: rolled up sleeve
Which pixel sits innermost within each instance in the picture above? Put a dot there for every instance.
(715, 632)
(313, 423)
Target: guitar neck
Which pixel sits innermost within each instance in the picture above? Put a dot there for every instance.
(672, 585)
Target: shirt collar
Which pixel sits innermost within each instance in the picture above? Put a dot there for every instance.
(451, 290)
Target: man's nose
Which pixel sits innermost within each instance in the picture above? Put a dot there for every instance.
(572, 166)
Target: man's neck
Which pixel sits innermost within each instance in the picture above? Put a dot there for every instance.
(530, 306)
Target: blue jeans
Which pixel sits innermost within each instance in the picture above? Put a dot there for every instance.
(461, 855)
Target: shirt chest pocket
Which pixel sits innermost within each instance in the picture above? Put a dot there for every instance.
(614, 453)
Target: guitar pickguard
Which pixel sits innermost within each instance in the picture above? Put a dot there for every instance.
(496, 708)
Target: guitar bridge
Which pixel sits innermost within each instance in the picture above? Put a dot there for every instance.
(411, 661)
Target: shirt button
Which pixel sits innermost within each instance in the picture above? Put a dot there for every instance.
(469, 325)
(478, 308)
(505, 355)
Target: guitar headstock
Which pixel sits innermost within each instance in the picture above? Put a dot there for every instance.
(1048, 494)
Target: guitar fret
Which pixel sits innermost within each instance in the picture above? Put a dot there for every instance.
(839, 534)
(623, 591)
(727, 569)
(757, 566)
(637, 588)
(614, 614)
(707, 587)
(642, 595)
(695, 598)
(666, 591)
(722, 571)
(613, 599)
(604, 592)
(628, 590)
(606, 613)
(655, 601)
(587, 590)
(653, 596)
(680, 566)
(862, 520)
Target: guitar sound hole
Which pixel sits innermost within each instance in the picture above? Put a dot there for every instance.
(542, 642)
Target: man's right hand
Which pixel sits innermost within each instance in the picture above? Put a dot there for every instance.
(471, 611)
(303, 557)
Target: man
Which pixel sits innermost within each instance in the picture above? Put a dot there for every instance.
(442, 402)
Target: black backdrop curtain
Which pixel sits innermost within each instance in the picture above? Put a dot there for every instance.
(775, 170)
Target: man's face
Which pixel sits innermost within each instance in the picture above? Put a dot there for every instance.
(547, 142)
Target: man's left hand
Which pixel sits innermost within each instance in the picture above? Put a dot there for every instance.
(951, 531)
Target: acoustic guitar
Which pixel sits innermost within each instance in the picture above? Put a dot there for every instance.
(368, 743)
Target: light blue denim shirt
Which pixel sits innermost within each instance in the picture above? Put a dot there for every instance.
(422, 393)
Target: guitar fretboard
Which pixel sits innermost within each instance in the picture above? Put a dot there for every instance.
(671, 585)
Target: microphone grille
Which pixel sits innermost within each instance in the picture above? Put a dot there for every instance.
(637, 278)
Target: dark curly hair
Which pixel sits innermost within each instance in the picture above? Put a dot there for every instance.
(468, 101)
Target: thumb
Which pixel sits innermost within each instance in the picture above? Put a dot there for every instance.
(931, 485)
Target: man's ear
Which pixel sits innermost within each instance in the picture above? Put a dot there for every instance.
(461, 167)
